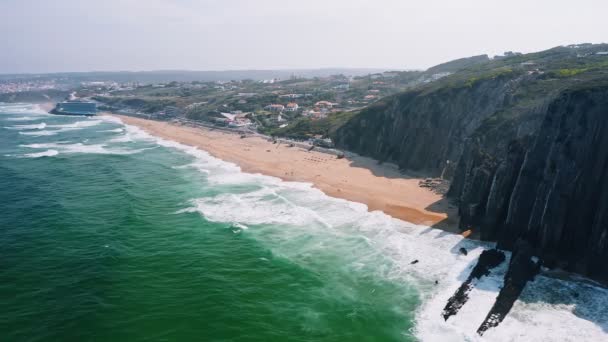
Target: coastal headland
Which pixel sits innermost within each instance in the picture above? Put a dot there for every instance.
(354, 178)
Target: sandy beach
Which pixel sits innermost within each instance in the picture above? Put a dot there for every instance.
(358, 179)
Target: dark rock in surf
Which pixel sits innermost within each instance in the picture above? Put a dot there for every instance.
(522, 269)
(463, 251)
(488, 260)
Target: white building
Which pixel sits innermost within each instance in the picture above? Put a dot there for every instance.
(275, 108)
(292, 107)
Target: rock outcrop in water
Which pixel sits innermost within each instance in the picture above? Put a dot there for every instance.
(524, 141)
(488, 260)
(522, 268)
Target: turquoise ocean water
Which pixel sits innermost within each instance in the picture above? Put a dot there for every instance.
(109, 234)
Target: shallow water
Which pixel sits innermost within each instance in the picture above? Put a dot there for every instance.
(108, 233)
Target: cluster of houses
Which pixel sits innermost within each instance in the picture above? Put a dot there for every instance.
(279, 108)
(320, 110)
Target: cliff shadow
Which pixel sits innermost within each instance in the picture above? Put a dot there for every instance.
(378, 168)
(450, 223)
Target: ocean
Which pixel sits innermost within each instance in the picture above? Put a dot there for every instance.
(110, 234)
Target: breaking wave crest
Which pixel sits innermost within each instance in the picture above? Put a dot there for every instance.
(78, 124)
(47, 153)
(24, 118)
(22, 108)
(40, 133)
(44, 129)
(82, 148)
(27, 127)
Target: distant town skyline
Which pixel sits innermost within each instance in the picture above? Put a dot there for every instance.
(88, 35)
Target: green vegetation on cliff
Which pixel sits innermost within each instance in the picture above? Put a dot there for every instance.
(521, 138)
(304, 128)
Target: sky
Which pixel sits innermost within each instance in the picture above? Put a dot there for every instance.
(85, 35)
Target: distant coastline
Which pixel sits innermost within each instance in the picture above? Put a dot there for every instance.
(356, 179)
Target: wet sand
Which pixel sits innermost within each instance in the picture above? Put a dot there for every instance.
(358, 179)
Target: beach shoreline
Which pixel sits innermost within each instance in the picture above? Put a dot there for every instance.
(354, 178)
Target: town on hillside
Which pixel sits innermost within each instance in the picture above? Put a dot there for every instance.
(268, 106)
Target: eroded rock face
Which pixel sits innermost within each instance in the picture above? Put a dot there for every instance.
(522, 268)
(551, 189)
(527, 152)
(422, 130)
(488, 260)
(528, 160)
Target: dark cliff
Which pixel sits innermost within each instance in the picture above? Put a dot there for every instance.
(524, 140)
(425, 129)
(551, 190)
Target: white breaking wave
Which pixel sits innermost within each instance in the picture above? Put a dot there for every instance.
(39, 133)
(117, 130)
(59, 128)
(22, 108)
(24, 118)
(27, 127)
(311, 223)
(82, 148)
(78, 124)
(110, 119)
(299, 222)
(47, 153)
(130, 134)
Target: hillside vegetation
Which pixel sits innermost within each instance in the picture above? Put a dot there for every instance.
(521, 137)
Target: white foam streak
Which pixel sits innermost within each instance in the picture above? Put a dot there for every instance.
(297, 222)
(39, 133)
(78, 124)
(48, 153)
(24, 118)
(27, 127)
(117, 130)
(131, 134)
(82, 148)
(22, 108)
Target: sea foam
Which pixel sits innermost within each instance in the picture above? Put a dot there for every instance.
(27, 127)
(39, 133)
(299, 222)
(78, 124)
(47, 153)
(84, 148)
(24, 118)
(22, 108)
(39, 130)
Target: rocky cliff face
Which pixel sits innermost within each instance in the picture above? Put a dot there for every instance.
(524, 141)
(551, 189)
(425, 130)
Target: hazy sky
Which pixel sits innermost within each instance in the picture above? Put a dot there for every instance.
(84, 35)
